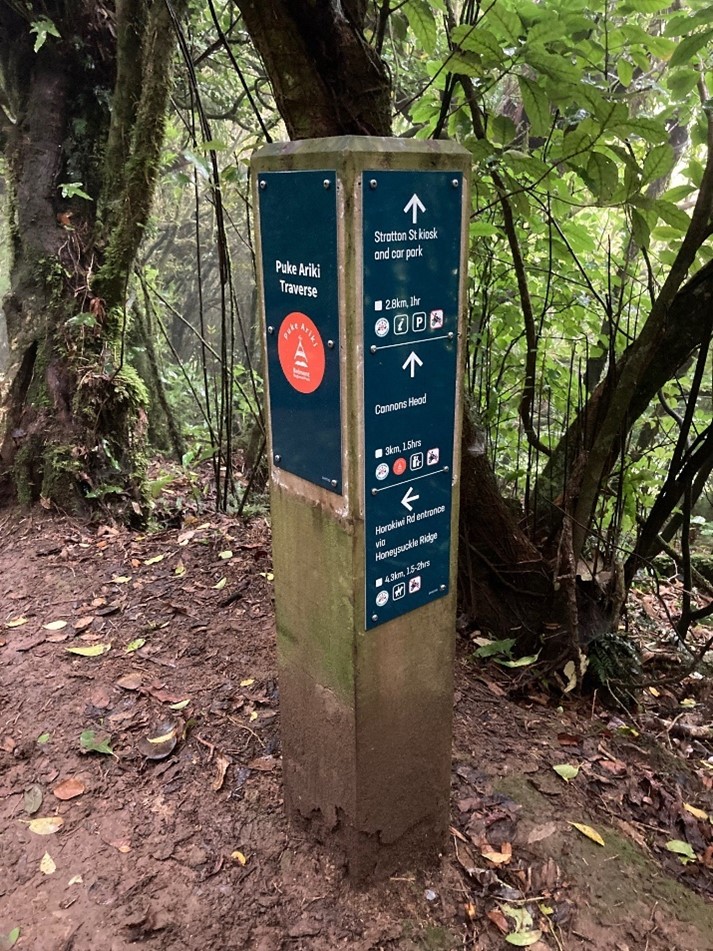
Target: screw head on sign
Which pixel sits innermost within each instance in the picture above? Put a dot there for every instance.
(271, 330)
(326, 183)
(372, 348)
(373, 491)
(333, 483)
(372, 183)
(330, 344)
(278, 459)
(263, 184)
(446, 469)
(443, 587)
(375, 617)
(450, 334)
(455, 182)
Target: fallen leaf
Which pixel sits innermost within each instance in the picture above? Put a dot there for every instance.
(54, 625)
(16, 622)
(121, 845)
(82, 623)
(90, 743)
(541, 832)
(221, 584)
(248, 682)
(161, 743)
(498, 858)
(697, 813)
(32, 799)
(134, 645)
(75, 880)
(519, 662)
(48, 825)
(181, 705)
(688, 703)
(225, 555)
(47, 864)
(588, 831)
(9, 940)
(263, 763)
(566, 771)
(69, 789)
(682, 849)
(654, 692)
(570, 672)
(222, 763)
(523, 939)
(179, 570)
(94, 650)
(121, 579)
(43, 738)
(155, 560)
(130, 681)
(498, 919)
(238, 857)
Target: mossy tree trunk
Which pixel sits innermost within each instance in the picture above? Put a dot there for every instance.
(81, 126)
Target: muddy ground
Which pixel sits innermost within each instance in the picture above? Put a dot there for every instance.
(161, 757)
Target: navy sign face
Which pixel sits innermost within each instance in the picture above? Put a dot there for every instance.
(298, 228)
(412, 241)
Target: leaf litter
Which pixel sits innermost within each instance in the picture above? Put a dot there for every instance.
(503, 861)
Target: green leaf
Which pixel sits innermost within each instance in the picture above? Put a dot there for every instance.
(688, 47)
(491, 648)
(502, 129)
(134, 645)
(566, 771)
(43, 738)
(478, 40)
(422, 22)
(504, 21)
(523, 939)
(536, 105)
(625, 71)
(603, 175)
(640, 229)
(72, 190)
(43, 27)
(682, 849)
(658, 162)
(94, 650)
(672, 214)
(89, 742)
(520, 662)
(482, 229)
(8, 941)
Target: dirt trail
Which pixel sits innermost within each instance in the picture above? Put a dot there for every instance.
(192, 851)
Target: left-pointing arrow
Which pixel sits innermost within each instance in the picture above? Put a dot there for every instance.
(414, 205)
(412, 360)
(409, 498)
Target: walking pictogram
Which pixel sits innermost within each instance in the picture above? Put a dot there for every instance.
(301, 352)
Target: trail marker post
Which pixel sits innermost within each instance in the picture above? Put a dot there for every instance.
(362, 262)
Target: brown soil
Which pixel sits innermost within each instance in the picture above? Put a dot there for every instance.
(191, 851)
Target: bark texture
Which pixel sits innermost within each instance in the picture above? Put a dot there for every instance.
(82, 128)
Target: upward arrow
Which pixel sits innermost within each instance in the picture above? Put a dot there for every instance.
(414, 205)
(412, 361)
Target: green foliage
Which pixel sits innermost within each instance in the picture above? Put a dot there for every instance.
(43, 28)
(614, 664)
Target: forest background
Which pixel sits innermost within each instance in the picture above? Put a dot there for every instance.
(129, 321)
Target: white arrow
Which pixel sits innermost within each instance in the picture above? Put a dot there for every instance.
(408, 499)
(414, 205)
(411, 360)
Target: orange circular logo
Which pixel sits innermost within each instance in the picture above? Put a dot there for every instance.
(301, 352)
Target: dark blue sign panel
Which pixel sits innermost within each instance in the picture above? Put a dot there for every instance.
(298, 229)
(412, 241)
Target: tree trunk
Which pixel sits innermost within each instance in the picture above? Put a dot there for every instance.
(82, 131)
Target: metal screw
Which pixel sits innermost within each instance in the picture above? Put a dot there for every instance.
(278, 459)
(330, 344)
(443, 587)
(271, 329)
(326, 183)
(450, 335)
(373, 491)
(446, 469)
(375, 617)
(263, 184)
(333, 483)
(372, 183)
(455, 183)
(372, 348)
